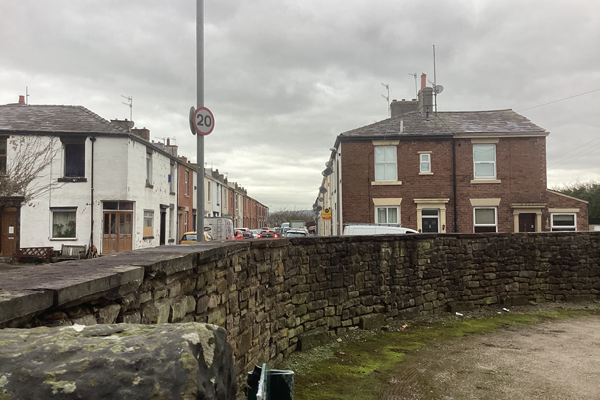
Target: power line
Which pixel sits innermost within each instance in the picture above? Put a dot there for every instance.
(556, 101)
(576, 148)
(587, 150)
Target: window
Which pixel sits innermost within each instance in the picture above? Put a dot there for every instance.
(208, 198)
(149, 169)
(2, 155)
(386, 215)
(64, 225)
(187, 180)
(564, 222)
(148, 224)
(425, 163)
(385, 163)
(74, 160)
(185, 221)
(485, 219)
(172, 178)
(484, 161)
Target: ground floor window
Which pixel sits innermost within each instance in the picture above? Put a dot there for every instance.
(387, 215)
(485, 219)
(564, 222)
(430, 220)
(64, 223)
(148, 223)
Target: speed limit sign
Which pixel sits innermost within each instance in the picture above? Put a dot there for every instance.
(204, 121)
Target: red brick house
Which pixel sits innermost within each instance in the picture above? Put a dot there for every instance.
(473, 171)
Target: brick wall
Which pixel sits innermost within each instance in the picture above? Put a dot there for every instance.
(521, 170)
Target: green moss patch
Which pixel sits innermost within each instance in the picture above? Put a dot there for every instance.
(359, 367)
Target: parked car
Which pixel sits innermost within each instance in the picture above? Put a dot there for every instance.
(292, 233)
(190, 237)
(255, 232)
(375, 229)
(237, 235)
(246, 233)
(267, 234)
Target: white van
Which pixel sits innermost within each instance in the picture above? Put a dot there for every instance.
(375, 229)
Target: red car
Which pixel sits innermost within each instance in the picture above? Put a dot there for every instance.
(237, 235)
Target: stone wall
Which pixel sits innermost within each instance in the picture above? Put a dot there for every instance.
(269, 294)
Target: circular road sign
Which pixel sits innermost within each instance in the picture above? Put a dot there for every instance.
(204, 121)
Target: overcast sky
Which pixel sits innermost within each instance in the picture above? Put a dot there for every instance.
(284, 78)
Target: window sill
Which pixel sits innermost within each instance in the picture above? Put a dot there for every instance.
(147, 237)
(149, 186)
(66, 179)
(63, 239)
(386, 183)
(478, 181)
(425, 173)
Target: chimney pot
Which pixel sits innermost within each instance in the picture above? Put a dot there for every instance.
(21, 99)
(168, 141)
(423, 80)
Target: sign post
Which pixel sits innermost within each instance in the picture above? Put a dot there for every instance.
(200, 104)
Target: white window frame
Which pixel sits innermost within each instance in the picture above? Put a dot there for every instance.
(64, 211)
(148, 168)
(425, 159)
(387, 208)
(384, 163)
(4, 156)
(495, 224)
(187, 182)
(476, 163)
(563, 228)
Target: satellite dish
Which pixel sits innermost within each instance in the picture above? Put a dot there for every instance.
(438, 89)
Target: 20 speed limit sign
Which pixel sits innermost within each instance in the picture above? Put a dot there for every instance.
(204, 121)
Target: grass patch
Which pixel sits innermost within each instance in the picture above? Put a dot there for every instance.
(358, 368)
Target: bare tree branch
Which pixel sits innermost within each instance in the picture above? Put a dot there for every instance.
(27, 172)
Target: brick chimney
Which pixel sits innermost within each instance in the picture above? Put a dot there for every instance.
(22, 100)
(425, 97)
(399, 108)
(141, 132)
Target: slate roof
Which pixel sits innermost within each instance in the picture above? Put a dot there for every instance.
(496, 122)
(54, 118)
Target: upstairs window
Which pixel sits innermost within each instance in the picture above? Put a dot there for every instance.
(564, 222)
(425, 163)
(74, 160)
(187, 180)
(172, 178)
(149, 168)
(484, 161)
(385, 163)
(2, 156)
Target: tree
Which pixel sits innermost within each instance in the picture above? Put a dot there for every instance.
(27, 174)
(287, 215)
(588, 191)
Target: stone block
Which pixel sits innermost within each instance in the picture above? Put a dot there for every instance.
(109, 314)
(315, 338)
(372, 321)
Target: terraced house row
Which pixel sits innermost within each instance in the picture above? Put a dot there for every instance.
(102, 183)
(467, 171)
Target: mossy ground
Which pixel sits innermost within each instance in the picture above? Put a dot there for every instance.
(358, 367)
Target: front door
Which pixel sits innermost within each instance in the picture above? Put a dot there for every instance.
(163, 226)
(116, 235)
(527, 222)
(430, 221)
(8, 239)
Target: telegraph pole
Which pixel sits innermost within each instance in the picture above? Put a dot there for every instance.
(200, 103)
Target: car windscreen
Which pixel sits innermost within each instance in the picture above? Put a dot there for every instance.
(188, 237)
(295, 234)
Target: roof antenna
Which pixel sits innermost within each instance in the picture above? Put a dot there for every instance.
(436, 88)
(27, 95)
(416, 91)
(130, 104)
(387, 99)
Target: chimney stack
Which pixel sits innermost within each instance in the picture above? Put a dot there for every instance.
(142, 132)
(22, 100)
(400, 108)
(423, 80)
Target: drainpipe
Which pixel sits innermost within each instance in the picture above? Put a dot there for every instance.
(454, 184)
(93, 140)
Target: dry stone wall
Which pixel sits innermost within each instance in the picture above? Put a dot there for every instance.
(273, 296)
